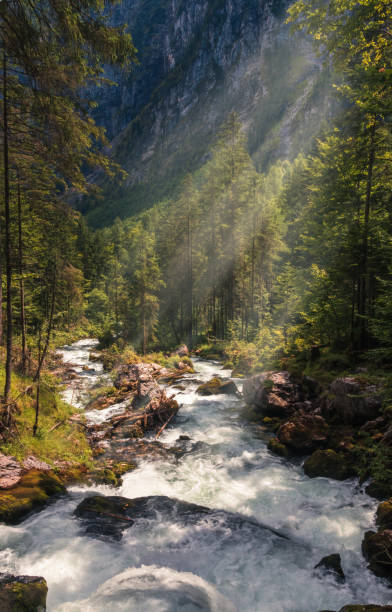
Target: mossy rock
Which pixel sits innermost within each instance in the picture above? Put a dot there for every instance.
(384, 515)
(216, 386)
(34, 491)
(22, 593)
(380, 489)
(329, 464)
(278, 448)
(105, 476)
(377, 550)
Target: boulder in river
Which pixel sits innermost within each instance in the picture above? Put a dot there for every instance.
(22, 593)
(332, 564)
(377, 549)
(273, 393)
(329, 464)
(182, 351)
(109, 517)
(366, 608)
(303, 432)
(384, 515)
(351, 402)
(130, 376)
(276, 447)
(217, 386)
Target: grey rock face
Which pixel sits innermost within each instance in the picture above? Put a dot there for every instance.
(198, 62)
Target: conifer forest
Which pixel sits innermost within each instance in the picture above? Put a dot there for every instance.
(196, 305)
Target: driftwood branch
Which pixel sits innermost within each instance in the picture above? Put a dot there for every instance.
(164, 426)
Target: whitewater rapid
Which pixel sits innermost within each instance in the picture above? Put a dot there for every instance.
(164, 566)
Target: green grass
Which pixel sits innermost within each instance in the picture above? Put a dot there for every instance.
(57, 438)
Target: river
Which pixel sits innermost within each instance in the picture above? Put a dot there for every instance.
(163, 565)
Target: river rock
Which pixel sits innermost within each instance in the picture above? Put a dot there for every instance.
(351, 402)
(380, 489)
(384, 515)
(216, 386)
(329, 464)
(109, 517)
(304, 432)
(34, 490)
(276, 447)
(332, 564)
(377, 549)
(182, 351)
(273, 393)
(133, 374)
(10, 471)
(365, 608)
(22, 593)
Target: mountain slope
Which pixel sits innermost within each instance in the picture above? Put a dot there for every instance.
(198, 62)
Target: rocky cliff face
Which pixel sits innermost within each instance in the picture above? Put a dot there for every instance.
(199, 61)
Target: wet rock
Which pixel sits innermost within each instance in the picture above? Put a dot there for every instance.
(379, 489)
(34, 490)
(22, 593)
(387, 437)
(374, 426)
(377, 550)
(365, 608)
(10, 471)
(182, 351)
(304, 432)
(273, 393)
(129, 376)
(126, 454)
(332, 564)
(109, 517)
(278, 448)
(329, 464)
(216, 386)
(351, 402)
(384, 515)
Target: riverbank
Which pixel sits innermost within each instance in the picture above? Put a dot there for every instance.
(72, 445)
(264, 524)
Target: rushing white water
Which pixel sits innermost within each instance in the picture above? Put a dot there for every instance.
(163, 565)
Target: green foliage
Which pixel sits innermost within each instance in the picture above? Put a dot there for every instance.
(58, 439)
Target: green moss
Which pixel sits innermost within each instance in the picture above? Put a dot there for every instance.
(211, 385)
(329, 464)
(268, 384)
(278, 448)
(23, 595)
(33, 491)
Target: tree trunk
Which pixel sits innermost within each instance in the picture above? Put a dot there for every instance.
(21, 282)
(35, 426)
(42, 357)
(8, 362)
(190, 284)
(365, 241)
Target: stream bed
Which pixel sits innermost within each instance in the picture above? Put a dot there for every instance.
(217, 564)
